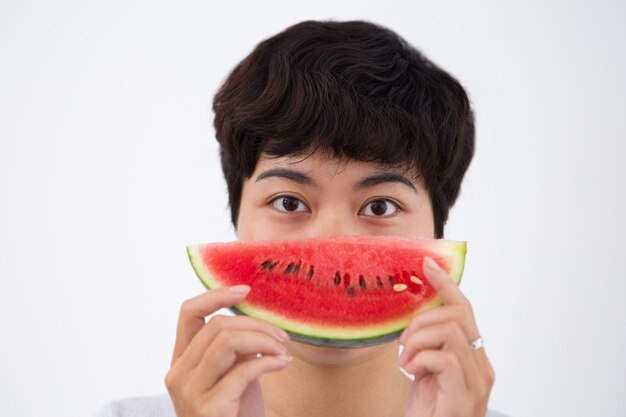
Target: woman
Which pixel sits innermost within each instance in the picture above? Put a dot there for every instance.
(334, 128)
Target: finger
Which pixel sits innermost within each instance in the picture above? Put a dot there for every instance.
(447, 290)
(194, 311)
(445, 367)
(449, 337)
(204, 337)
(234, 383)
(229, 348)
(461, 313)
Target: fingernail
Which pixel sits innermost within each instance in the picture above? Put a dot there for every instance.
(282, 335)
(405, 371)
(285, 358)
(240, 289)
(431, 264)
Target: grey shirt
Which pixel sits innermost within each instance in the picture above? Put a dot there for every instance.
(161, 406)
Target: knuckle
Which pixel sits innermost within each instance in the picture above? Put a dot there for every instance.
(226, 337)
(460, 310)
(417, 321)
(467, 308)
(268, 328)
(453, 330)
(216, 323)
(186, 307)
(170, 380)
(482, 391)
(241, 372)
(173, 382)
(255, 322)
(218, 320)
(450, 360)
(491, 375)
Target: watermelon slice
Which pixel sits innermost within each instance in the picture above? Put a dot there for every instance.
(349, 291)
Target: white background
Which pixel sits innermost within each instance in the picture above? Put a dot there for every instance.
(108, 168)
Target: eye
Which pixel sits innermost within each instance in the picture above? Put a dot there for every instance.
(379, 208)
(289, 204)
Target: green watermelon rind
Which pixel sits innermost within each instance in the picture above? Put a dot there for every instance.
(336, 337)
(332, 342)
(336, 342)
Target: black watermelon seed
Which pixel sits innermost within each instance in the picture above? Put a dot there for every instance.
(337, 278)
(288, 269)
(391, 281)
(266, 264)
(362, 282)
(296, 269)
(350, 290)
(310, 273)
(379, 282)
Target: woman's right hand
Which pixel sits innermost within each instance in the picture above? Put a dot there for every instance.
(215, 368)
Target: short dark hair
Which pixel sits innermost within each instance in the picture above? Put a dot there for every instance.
(354, 90)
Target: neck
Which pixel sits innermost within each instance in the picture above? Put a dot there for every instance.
(366, 384)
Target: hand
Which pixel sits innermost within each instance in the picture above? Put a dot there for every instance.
(451, 380)
(215, 368)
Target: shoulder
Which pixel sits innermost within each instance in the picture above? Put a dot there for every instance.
(148, 406)
(492, 413)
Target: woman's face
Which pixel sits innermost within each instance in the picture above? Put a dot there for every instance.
(295, 197)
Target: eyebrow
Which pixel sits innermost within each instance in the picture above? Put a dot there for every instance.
(367, 182)
(290, 174)
(382, 178)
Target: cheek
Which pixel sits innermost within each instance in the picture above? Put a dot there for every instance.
(420, 222)
(426, 217)
(247, 228)
(262, 227)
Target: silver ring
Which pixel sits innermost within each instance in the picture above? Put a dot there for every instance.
(476, 344)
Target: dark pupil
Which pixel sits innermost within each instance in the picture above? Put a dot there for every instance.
(290, 204)
(379, 207)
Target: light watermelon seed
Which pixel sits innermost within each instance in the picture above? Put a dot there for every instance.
(416, 280)
(399, 287)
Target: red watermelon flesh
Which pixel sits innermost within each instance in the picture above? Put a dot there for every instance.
(348, 291)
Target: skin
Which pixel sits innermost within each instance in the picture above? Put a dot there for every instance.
(215, 369)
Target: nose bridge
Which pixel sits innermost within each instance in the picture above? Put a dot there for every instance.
(333, 222)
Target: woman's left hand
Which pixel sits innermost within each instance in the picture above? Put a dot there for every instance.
(451, 380)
